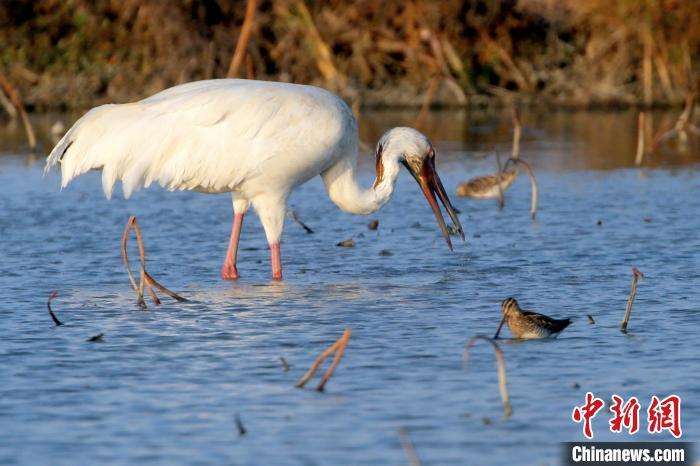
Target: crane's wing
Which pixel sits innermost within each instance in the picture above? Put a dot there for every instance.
(206, 135)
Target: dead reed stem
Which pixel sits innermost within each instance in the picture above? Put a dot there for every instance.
(639, 157)
(7, 105)
(338, 348)
(502, 383)
(51, 314)
(250, 67)
(636, 275)
(284, 363)
(293, 214)
(681, 127)
(533, 185)
(499, 174)
(647, 79)
(145, 279)
(429, 96)
(517, 131)
(239, 425)
(408, 447)
(243, 38)
(19, 105)
(321, 51)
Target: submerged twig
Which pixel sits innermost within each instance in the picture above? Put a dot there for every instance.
(51, 314)
(243, 39)
(408, 447)
(507, 410)
(16, 100)
(145, 278)
(338, 348)
(293, 214)
(239, 424)
(499, 175)
(284, 363)
(636, 274)
(533, 185)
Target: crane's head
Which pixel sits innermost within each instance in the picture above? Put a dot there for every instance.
(509, 307)
(417, 154)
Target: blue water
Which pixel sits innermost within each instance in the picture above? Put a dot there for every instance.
(165, 385)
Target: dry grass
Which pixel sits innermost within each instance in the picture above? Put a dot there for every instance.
(418, 53)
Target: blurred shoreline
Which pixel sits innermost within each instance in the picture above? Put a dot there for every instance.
(554, 140)
(75, 54)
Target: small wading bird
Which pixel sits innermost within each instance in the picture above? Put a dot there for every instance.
(529, 325)
(486, 187)
(257, 140)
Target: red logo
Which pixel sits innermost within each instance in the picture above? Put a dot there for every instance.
(587, 412)
(662, 415)
(626, 416)
(665, 415)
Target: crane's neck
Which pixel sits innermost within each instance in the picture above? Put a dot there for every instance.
(346, 192)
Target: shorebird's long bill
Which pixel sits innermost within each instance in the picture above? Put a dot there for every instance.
(430, 183)
(500, 326)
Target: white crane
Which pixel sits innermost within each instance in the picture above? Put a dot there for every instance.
(257, 140)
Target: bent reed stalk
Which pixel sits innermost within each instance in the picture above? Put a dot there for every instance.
(636, 275)
(502, 383)
(145, 279)
(338, 348)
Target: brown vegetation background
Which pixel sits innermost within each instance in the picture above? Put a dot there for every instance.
(78, 53)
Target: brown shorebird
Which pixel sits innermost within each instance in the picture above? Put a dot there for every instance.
(528, 325)
(486, 187)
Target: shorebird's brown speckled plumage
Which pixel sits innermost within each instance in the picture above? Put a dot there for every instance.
(527, 324)
(486, 187)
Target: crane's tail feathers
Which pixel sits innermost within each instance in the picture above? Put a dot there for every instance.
(84, 148)
(128, 143)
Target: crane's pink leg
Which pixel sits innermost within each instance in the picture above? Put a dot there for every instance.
(229, 270)
(276, 259)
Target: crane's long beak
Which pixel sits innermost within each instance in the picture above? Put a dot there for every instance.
(500, 326)
(430, 183)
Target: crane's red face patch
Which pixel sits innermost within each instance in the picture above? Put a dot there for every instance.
(380, 167)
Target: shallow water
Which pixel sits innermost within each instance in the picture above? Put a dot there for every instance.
(165, 385)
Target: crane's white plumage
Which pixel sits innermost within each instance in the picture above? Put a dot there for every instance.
(258, 140)
(209, 136)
